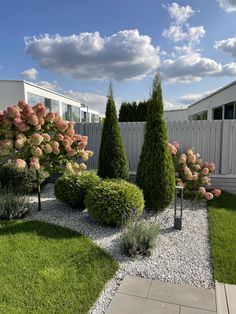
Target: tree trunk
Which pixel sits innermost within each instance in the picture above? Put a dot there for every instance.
(39, 192)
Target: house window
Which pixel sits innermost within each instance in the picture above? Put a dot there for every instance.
(229, 111)
(199, 116)
(218, 113)
(75, 114)
(33, 99)
(52, 105)
(94, 118)
(67, 112)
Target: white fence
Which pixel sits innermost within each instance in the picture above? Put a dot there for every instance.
(214, 140)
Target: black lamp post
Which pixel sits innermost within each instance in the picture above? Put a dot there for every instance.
(178, 212)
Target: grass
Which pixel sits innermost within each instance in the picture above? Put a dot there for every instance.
(222, 218)
(48, 269)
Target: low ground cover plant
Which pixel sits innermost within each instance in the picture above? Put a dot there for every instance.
(193, 173)
(139, 238)
(72, 189)
(12, 204)
(114, 202)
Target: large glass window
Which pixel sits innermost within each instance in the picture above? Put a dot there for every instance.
(218, 113)
(67, 112)
(229, 111)
(199, 116)
(83, 116)
(94, 118)
(33, 99)
(52, 105)
(75, 114)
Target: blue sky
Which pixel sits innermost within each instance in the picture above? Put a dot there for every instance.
(76, 47)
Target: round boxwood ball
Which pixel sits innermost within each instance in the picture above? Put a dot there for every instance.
(114, 202)
(71, 189)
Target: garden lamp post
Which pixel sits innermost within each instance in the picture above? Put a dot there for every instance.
(178, 212)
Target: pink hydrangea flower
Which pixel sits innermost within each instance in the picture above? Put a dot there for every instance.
(62, 125)
(56, 151)
(71, 152)
(82, 166)
(47, 148)
(23, 127)
(176, 144)
(55, 145)
(202, 190)
(212, 167)
(60, 137)
(7, 144)
(50, 116)
(36, 139)
(46, 137)
(32, 119)
(13, 112)
(198, 167)
(216, 192)
(205, 171)
(34, 163)
(20, 164)
(19, 143)
(209, 196)
(205, 180)
(37, 152)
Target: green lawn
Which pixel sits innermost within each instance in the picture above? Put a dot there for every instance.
(222, 218)
(48, 269)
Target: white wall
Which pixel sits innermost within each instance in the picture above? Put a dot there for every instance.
(175, 115)
(10, 93)
(224, 96)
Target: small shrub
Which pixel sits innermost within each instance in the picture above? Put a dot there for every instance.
(12, 205)
(72, 189)
(139, 238)
(192, 173)
(114, 202)
(23, 180)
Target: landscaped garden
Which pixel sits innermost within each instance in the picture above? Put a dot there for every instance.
(53, 269)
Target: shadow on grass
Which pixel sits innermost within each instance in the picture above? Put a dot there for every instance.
(226, 200)
(40, 228)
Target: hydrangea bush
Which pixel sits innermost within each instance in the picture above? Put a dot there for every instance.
(36, 138)
(192, 173)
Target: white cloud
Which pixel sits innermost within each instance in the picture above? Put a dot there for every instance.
(30, 73)
(227, 45)
(179, 14)
(189, 99)
(228, 5)
(229, 69)
(176, 34)
(124, 55)
(170, 106)
(189, 68)
(49, 85)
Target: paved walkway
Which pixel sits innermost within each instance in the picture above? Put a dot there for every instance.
(146, 296)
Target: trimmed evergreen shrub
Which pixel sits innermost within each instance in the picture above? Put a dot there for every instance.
(12, 204)
(114, 202)
(20, 180)
(113, 161)
(71, 189)
(155, 173)
(140, 238)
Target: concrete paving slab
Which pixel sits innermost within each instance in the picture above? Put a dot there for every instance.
(231, 297)
(221, 302)
(135, 286)
(127, 304)
(189, 310)
(183, 295)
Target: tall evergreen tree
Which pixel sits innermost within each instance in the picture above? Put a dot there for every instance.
(113, 161)
(155, 173)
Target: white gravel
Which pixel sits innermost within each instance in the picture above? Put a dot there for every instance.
(181, 257)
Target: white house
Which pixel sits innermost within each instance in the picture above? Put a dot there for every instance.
(218, 105)
(176, 115)
(70, 109)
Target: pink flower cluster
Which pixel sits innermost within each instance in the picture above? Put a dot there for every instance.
(192, 173)
(40, 138)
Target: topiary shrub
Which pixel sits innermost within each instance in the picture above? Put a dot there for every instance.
(114, 202)
(12, 204)
(155, 173)
(113, 161)
(72, 189)
(140, 238)
(20, 180)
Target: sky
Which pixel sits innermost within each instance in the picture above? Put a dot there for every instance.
(77, 47)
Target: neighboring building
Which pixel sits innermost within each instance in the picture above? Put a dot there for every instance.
(218, 105)
(70, 109)
(175, 115)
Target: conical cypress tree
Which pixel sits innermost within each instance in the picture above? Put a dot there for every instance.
(113, 161)
(155, 173)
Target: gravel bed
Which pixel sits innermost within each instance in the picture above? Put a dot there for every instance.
(181, 257)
